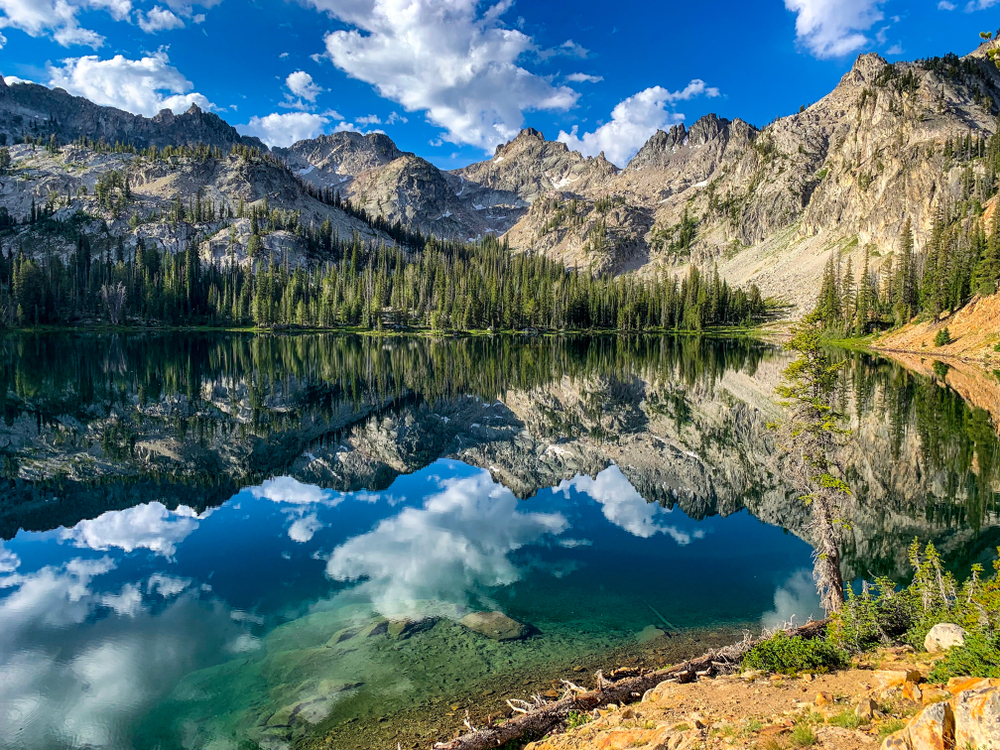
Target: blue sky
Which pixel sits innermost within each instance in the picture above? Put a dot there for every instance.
(450, 79)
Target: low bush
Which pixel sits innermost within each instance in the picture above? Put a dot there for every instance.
(792, 655)
(883, 615)
(978, 657)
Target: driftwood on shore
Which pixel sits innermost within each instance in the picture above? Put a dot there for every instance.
(537, 718)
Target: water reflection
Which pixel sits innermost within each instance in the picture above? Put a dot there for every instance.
(449, 551)
(203, 535)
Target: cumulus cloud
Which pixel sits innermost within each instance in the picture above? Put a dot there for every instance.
(447, 59)
(583, 78)
(166, 586)
(55, 18)
(945, 5)
(127, 602)
(288, 489)
(85, 686)
(143, 86)
(284, 129)
(159, 19)
(975, 5)
(633, 121)
(795, 599)
(450, 551)
(625, 507)
(303, 529)
(118, 9)
(151, 526)
(833, 28)
(9, 562)
(301, 84)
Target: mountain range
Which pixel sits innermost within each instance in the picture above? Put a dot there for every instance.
(890, 143)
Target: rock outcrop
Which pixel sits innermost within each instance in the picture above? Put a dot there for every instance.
(28, 109)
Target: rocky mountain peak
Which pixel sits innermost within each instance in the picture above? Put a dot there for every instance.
(3, 85)
(194, 109)
(865, 69)
(164, 117)
(706, 128)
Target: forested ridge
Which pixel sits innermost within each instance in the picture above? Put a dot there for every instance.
(959, 258)
(442, 286)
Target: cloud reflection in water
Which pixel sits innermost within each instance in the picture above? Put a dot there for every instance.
(448, 552)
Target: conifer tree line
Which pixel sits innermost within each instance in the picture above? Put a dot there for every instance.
(943, 276)
(960, 257)
(421, 282)
(443, 286)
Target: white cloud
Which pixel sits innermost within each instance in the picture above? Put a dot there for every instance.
(896, 49)
(450, 551)
(569, 48)
(975, 5)
(625, 507)
(283, 55)
(444, 58)
(3, 41)
(143, 86)
(583, 78)
(166, 586)
(127, 602)
(159, 19)
(9, 562)
(368, 120)
(633, 121)
(150, 526)
(795, 599)
(395, 117)
(833, 28)
(11, 80)
(53, 17)
(198, 19)
(945, 5)
(301, 85)
(118, 9)
(303, 529)
(287, 489)
(70, 679)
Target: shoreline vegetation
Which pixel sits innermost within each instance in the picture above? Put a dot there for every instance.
(879, 622)
(880, 615)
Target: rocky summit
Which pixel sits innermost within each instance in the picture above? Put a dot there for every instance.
(764, 205)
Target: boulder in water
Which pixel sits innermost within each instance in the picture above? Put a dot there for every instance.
(495, 625)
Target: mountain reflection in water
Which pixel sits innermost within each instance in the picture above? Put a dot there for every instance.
(201, 531)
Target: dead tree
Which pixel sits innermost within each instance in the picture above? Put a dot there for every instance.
(114, 296)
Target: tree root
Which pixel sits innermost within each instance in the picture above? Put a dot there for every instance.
(535, 718)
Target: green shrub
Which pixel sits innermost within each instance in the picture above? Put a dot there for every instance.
(877, 616)
(791, 655)
(848, 720)
(942, 337)
(577, 719)
(803, 736)
(978, 657)
(881, 614)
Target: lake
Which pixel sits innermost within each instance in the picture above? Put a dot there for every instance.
(239, 541)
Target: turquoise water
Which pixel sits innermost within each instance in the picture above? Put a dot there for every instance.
(240, 542)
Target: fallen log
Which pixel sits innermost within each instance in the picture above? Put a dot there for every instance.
(542, 719)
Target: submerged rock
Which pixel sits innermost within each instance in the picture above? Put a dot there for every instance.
(650, 633)
(495, 625)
